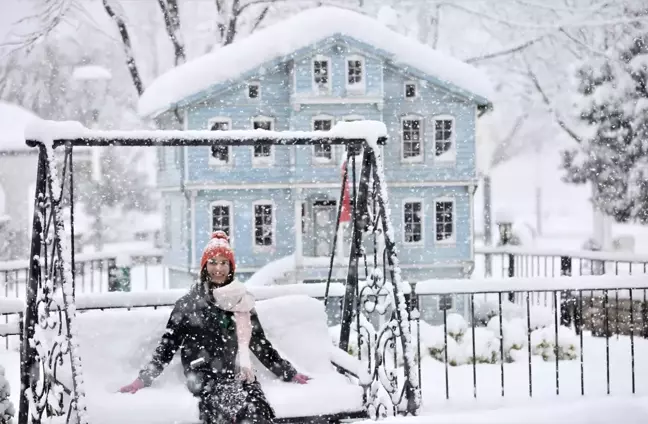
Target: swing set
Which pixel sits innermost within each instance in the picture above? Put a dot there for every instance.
(49, 327)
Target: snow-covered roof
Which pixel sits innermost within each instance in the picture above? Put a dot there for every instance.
(284, 38)
(13, 121)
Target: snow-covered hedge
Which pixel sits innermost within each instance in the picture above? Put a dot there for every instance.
(7, 410)
(487, 341)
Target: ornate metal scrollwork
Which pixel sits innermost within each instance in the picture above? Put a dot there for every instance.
(382, 314)
(50, 365)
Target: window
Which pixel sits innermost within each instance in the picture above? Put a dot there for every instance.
(321, 73)
(221, 215)
(220, 154)
(410, 90)
(411, 136)
(413, 221)
(444, 219)
(355, 69)
(254, 90)
(443, 135)
(263, 225)
(324, 152)
(262, 153)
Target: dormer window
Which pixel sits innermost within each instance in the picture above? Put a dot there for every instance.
(355, 72)
(410, 90)
(253, 90)
(321, 73)
(220, 155)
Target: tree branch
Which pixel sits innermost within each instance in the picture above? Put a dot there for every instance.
(171, 15)
(50, 15)
(502, 151)
(506, 51)
(545, 99)
(128, 48)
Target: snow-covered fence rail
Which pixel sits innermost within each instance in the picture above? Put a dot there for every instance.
(514, 261)
(480, 344)
(161, 298)
(95, 272)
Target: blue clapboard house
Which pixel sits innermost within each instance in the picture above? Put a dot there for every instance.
(315, 69)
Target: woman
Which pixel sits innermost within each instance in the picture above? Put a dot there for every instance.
(215, 325)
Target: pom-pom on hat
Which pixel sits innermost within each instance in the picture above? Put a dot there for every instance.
(218, 245)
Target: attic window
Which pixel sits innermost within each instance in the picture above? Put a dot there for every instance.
(410, 90)
(321, 73)
(254, 89)
(355, 70)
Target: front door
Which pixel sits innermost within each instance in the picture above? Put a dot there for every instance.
(324, 214)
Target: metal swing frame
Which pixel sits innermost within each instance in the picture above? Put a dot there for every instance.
(51, 285)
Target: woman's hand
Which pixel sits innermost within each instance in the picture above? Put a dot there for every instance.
(300, 378)
(133, 387)
(246, 374)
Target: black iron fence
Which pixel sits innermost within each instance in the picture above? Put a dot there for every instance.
(472, 342)
(513, 261)
(589, 339)
(96, 272)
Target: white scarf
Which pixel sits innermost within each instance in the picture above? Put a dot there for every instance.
(234, 297)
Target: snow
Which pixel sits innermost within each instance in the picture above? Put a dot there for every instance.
(151, 298)
(629, 410)
(296, 325)
(282, 39)
(91, 72)
(13, 121)
(495, 285)
(44, 130)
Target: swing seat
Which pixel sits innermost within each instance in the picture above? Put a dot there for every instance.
(115, 344)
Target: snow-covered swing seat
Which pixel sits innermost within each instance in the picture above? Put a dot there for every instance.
(114, 344)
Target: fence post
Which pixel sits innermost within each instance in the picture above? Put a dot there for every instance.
(119, 273)
(506, 234)
(567, 301)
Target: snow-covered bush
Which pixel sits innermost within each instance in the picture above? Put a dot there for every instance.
(7, 410)
(543, 343)
(457, 326)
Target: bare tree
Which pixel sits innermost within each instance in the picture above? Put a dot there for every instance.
(131, 63)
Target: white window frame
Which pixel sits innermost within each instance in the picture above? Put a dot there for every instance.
(263, 160)
(416, 90)
(230, 205)
(403, 203)
(317, 159)
(453, 138)
(212, 160)
(320, 89)
(358, 87)
(247, 91)
(420, 157)
(452, 240)
(255, 246)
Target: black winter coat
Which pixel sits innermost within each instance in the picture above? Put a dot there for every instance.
(206, 335)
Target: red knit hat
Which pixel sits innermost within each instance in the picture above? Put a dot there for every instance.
(218, 245)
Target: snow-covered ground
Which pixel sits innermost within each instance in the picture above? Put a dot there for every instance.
(296, 325)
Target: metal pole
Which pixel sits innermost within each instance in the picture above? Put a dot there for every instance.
(359, 222)
(28, 356)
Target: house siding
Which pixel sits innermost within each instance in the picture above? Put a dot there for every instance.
(287, 96)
